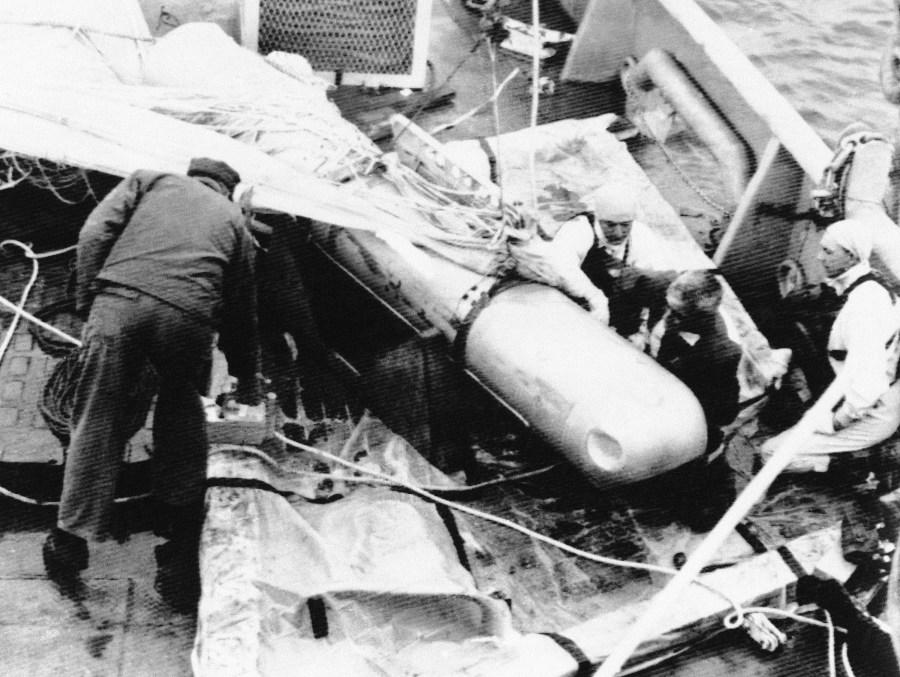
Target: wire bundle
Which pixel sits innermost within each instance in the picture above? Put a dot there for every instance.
(69, 184)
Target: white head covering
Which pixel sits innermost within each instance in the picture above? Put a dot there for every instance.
(853, 235)
(615, 201)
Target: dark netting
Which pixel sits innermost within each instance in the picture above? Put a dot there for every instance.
(342, 35)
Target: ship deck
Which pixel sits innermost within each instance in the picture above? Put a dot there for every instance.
(115, 624)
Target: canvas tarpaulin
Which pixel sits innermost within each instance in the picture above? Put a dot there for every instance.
(345, 580)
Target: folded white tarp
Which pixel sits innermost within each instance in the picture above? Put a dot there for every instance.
(352, 580)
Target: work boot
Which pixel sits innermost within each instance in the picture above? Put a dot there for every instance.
(178, 561)
(178, 576)
(65, 555)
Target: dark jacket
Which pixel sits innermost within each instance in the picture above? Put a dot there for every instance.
(629, 289)
(176, 239)
(708, 368)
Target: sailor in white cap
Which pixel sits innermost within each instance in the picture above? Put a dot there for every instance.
(626, 260)
(618, 228)
(863, 342)
(608, 259)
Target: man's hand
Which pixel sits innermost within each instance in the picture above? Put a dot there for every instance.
(841, 419)
(639, 340)
(558, 266)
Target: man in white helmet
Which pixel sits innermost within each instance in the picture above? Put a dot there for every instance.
(607, 259)
(617, 229)
(862, 345)
(624, 258)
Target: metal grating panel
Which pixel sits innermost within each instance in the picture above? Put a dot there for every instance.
(347, 36)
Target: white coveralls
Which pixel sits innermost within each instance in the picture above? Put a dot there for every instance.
(863, 342)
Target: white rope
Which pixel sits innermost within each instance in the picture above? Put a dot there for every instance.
(33, 501)
(18, 313)
(496, 116)
(832, 667)
(845, 661)
(465, 116)
(77, 28)
(469, 488)
(600, 559)
(732, 622)
(29, 253)
(39, 322)
(535, 93)
(19, 310)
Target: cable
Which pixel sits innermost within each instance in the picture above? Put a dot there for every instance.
(659, 660)
(52, 312)
(535, 93)
(600, 559)
(630, 93)
(832, 668)
(495, 105)
(732, 624)
(43, 325)
(845, 661)
(74, 27)
(471, 488)
(29, 252)
(453, 72)
(33, 501)
(18, 312)
(490, 100)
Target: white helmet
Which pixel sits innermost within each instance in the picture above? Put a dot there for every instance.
(615, 202)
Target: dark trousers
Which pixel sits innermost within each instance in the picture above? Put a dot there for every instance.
(125, 330)
(285, 308)
(701, 491)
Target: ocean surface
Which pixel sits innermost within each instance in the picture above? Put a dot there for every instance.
(822, 55)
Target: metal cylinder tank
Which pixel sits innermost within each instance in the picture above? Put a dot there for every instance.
(611, 410)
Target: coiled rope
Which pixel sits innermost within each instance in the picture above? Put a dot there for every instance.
(57, 403)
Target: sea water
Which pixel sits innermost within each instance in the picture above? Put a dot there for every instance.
(822, 55)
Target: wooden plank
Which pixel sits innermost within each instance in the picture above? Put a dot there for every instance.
(372, 112)
(427, 156)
